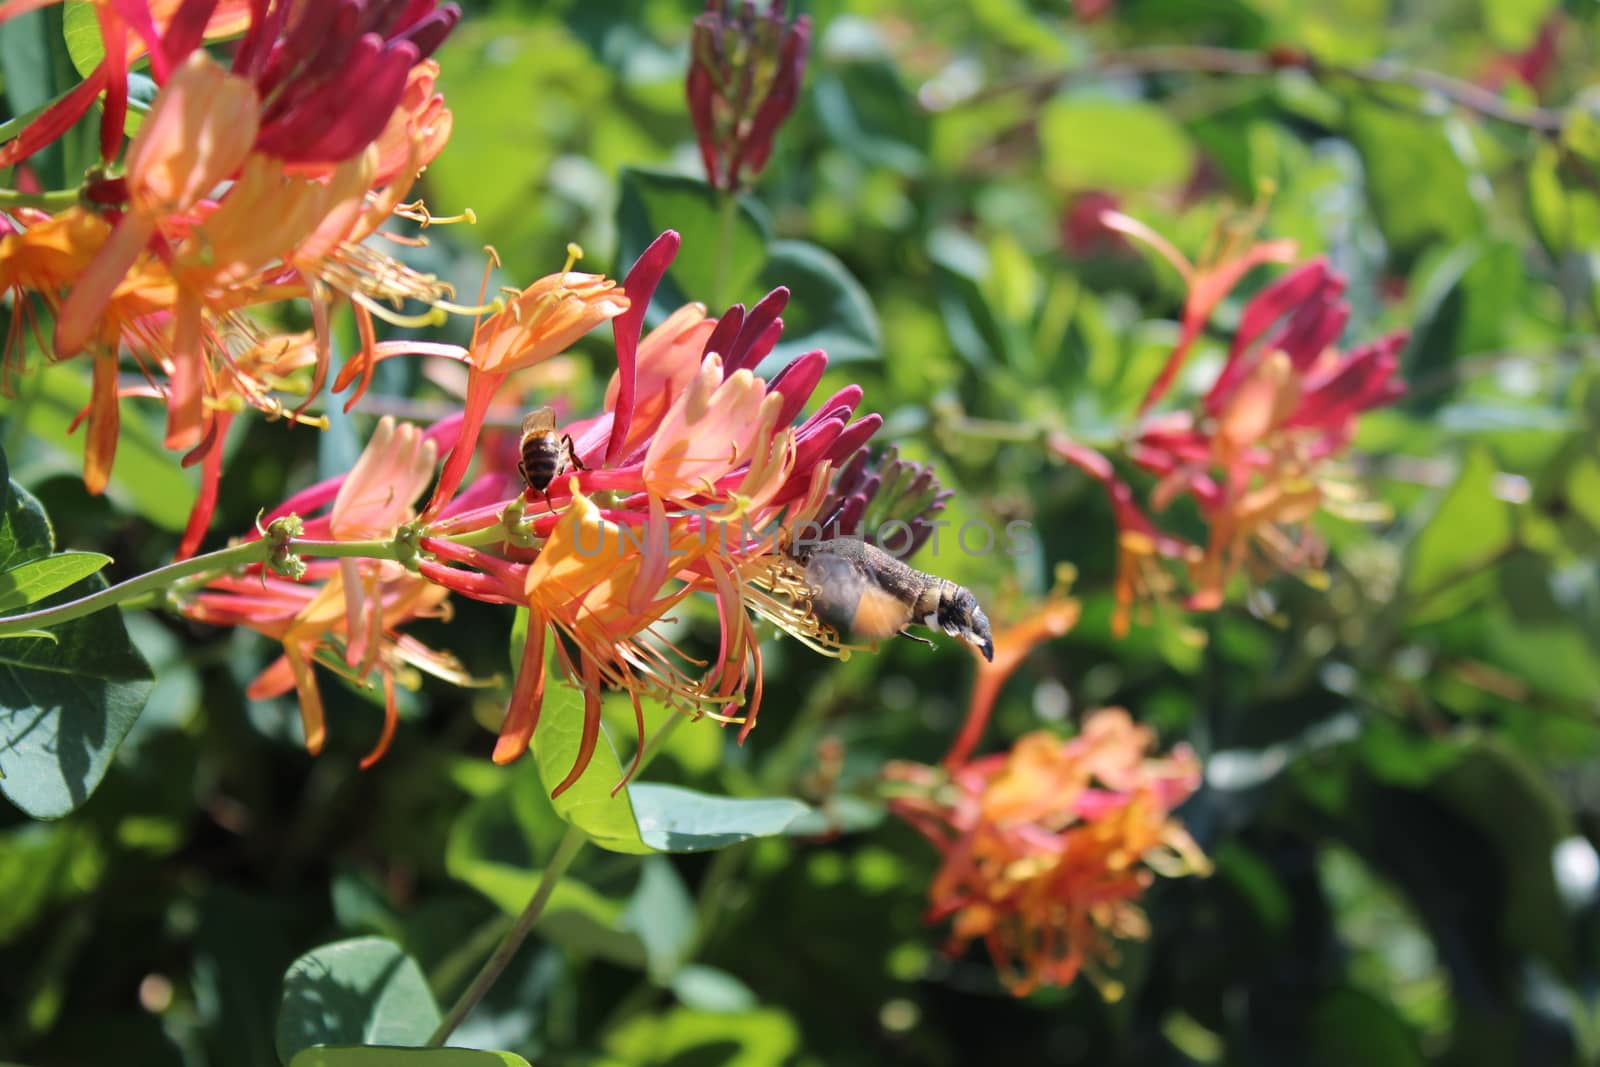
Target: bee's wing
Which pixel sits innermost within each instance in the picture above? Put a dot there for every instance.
(538, 420)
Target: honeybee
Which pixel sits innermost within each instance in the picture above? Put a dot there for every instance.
(860, 589)
(545, 454)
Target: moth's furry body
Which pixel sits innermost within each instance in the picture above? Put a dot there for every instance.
(860, 589)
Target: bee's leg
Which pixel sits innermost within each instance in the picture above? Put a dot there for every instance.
(551, 508)
(918, 638)
(572, 453)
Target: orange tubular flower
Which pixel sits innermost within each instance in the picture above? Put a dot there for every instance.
(344, 614)
(1048, 848)
(543, 320)
(321, 124)
(688, 479)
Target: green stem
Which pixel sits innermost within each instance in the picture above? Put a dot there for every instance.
(147, 588)
(158, 579)
(566, 851)
(55, 200)
(729, 211)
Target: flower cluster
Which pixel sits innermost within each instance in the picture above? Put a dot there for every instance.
(690, 476)
(745, 71)
(1047, 848)
(321, 123)
(1256, 452)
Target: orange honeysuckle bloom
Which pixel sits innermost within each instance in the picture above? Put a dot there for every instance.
(685, 483)
(345, 614)
(199, 131)
(1207, 282)
(1047, 848)
(1050, 619)
(541, 321)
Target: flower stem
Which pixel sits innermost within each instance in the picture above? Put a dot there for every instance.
(148, 587)
(566, 851)
(55, 200)
(160, 578)
(729, 210)
(573, 840)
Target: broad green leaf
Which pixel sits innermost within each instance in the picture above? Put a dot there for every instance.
(867, 110)
(1514, 24)
(372, 1056)
(683, 1035)
(828, 308)
(662, 913)
(497, 847)
(1468, 530)
(33, 581)
(1510, 802)
(65, 704)
(674, 819)
(590, 803)
(724, 243)
(145, 479)
(1091, 143)
(81, 32)
(1348, 1026)
(1404, 154)
(710, 989)
(43, 865)
(362, 991)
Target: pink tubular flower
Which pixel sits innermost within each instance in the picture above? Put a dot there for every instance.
(245, 185)
(689, 477)
(345, 614)
(1256, 452)
(1047, 848)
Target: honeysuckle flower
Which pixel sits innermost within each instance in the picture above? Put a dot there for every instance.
(1046, 849)
(1256, 456)
(172, 253)
(745, 70)
(1257, 453)
(1045, 621)
(345, 614)
(690, 478)
(541, 321)
(1207, 282)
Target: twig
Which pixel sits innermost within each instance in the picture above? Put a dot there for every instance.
(1184, 59)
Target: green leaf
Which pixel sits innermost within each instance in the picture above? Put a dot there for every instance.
(1470, 528)
(1112, 144)
(1348, 1026)
(724, 244)
(43, 865)
(362, 991)
(81, 31)
(710, 989)
(33, 581)
(662, 912)
(1404, 154)
(865, 108)
(371, 1056)
(65, 704)
(496, 846)
(146, 478)
(828, 308)
(674, 819)
(683, 1035)
(1514, 24)
(589, 804)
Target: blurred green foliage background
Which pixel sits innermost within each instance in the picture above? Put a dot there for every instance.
(1402, 794)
